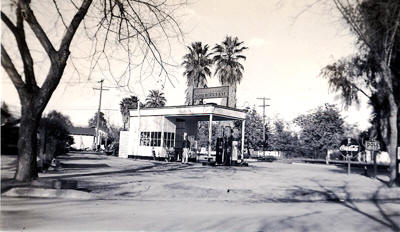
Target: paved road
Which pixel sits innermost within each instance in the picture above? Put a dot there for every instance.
(147, 195)
(50, 214)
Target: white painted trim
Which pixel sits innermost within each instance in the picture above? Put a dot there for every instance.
(210, 134)
(200, 110)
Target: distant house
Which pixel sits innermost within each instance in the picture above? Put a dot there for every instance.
(5, 117)
(84, 137)
(9, 133)
(9, 137)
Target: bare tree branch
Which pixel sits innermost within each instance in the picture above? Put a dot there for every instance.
(19, 34)
(59, 14)
(350, 19)
(9, 24)
(57, 68)
(76, 21)
(12, 72)
(392, 39)
(38, 30)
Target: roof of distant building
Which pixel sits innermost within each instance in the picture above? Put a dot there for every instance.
(82, 131)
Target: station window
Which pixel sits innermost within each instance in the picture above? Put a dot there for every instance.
(169, 139)
(153, 139)
(145, 139)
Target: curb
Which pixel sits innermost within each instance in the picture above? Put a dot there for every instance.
(47, 193)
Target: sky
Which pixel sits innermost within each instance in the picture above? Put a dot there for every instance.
(288, 47)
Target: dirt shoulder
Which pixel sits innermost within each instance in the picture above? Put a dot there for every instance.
(107, 177)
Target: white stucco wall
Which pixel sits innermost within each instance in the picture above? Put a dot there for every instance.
(123, 151)
(82, 141)
(147, 124)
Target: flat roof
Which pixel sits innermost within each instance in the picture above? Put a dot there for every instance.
(193, 112)
(82, 131)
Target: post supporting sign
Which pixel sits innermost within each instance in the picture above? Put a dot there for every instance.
(349, 148)
(373, 146)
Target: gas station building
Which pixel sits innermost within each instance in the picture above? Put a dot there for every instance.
(155, 130)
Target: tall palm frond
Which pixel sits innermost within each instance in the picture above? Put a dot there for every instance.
(124, 106)
(155, 98)
(227, 58)
(197, 63)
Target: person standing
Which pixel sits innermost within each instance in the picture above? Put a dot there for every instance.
(219, 147)
(235, 147)
(153, 152)
(186, 148)
(227, 146)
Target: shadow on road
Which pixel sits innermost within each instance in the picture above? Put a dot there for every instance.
(342, 168)
(65, 157)
(156, 167)
(385, 218)
(81, 166)
(8, 162)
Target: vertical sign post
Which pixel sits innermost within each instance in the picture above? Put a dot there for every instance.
(373, 146)
(348, 164)
(375, 167)
(365, 165)
(349, 148)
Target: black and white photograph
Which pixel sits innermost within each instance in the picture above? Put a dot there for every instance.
(200, 115)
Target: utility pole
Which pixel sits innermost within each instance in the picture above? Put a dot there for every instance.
(96, 138)
(263, 106)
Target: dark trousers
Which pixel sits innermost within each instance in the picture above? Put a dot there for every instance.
(219, 151)
(227, 157)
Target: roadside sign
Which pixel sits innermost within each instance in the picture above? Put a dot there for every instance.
(213, 92)
(349, 147)
(372, 145)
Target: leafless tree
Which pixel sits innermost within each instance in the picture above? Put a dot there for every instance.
(134, 25)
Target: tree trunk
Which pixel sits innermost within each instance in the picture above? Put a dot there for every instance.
(124, 120)
(27, 143)
(232, 95)
(392, 145)
(189, 95)
(391, 132)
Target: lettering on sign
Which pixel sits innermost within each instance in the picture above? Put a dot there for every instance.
(349, 148)
(214, 92)
(372, 145)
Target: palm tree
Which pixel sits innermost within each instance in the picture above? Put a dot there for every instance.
(155, 99)
(126, 104)
(197, 64)
(228, 67)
